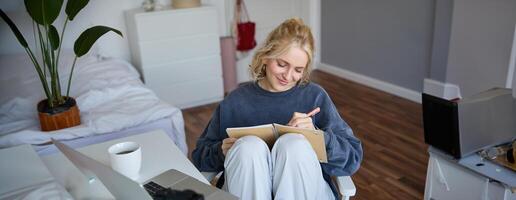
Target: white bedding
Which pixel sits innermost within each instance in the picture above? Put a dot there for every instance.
(109, 94)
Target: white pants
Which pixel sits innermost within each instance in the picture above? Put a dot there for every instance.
(290, 171)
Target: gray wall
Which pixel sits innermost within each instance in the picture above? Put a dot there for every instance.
(514, 81)
(480, 44)
(387, 40)
(441, 39)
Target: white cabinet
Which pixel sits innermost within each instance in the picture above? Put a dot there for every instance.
(177, 52)
(447, 180)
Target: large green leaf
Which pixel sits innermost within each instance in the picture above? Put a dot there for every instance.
(53, 36)
(74, 6)
(44, 12)
(15, 29)
(89, 37)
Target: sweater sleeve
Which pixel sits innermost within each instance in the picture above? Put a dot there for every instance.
(208, 156)
(343, 149)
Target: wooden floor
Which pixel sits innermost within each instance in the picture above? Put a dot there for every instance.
(390, 128)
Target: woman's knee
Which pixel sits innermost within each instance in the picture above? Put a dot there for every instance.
(293, 145)
(249, 147)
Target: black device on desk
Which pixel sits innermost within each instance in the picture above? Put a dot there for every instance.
(466, 126)
(159, 192)
(441, 124)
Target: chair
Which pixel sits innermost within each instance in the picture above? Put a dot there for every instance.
(345, 185)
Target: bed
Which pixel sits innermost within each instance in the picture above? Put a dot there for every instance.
(113, 101)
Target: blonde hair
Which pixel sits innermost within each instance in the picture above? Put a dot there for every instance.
(291, 33)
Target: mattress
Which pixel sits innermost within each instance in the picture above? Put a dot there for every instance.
(111, 97)
(163, 124)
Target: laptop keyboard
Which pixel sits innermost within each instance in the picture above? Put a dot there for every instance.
(153, 188)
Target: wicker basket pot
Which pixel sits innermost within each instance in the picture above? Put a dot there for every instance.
(63, 116)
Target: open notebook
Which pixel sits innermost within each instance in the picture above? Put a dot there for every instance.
(270, 132)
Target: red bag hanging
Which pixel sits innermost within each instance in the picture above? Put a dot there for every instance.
(245, 29)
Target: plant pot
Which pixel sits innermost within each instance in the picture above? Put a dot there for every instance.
(60, 117)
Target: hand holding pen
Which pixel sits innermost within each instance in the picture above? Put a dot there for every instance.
(303, 120)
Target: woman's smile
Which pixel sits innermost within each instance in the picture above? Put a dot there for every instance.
(282, 82)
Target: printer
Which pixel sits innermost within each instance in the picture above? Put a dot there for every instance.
(469, 125)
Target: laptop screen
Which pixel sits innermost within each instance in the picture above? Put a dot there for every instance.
(120, 186)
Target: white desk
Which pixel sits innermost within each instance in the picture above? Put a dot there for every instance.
(159, 154)
(447, 178)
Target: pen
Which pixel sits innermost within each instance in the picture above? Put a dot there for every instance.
(313, 112)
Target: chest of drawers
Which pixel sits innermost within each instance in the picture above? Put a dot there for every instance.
(177, 52)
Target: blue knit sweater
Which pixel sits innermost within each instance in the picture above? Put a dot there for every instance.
(250, 105)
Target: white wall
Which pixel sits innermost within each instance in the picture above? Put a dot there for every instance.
(267, 14)
(97, 12)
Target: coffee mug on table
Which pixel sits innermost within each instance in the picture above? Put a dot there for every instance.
(126, 158)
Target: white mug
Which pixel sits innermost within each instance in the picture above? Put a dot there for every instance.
(126, 158)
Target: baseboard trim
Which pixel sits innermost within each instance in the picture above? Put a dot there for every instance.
(200, 102)
(372, 82)
(440, 89)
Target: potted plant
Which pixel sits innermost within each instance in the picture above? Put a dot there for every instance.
(58, 110)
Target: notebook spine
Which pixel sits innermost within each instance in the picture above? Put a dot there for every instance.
(275, 132)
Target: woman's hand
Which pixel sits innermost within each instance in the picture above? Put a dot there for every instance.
(303, 120)
(227, 144)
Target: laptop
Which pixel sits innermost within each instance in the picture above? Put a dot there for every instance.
(122, 187)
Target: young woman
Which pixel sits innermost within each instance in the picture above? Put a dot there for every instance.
(281, 93)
